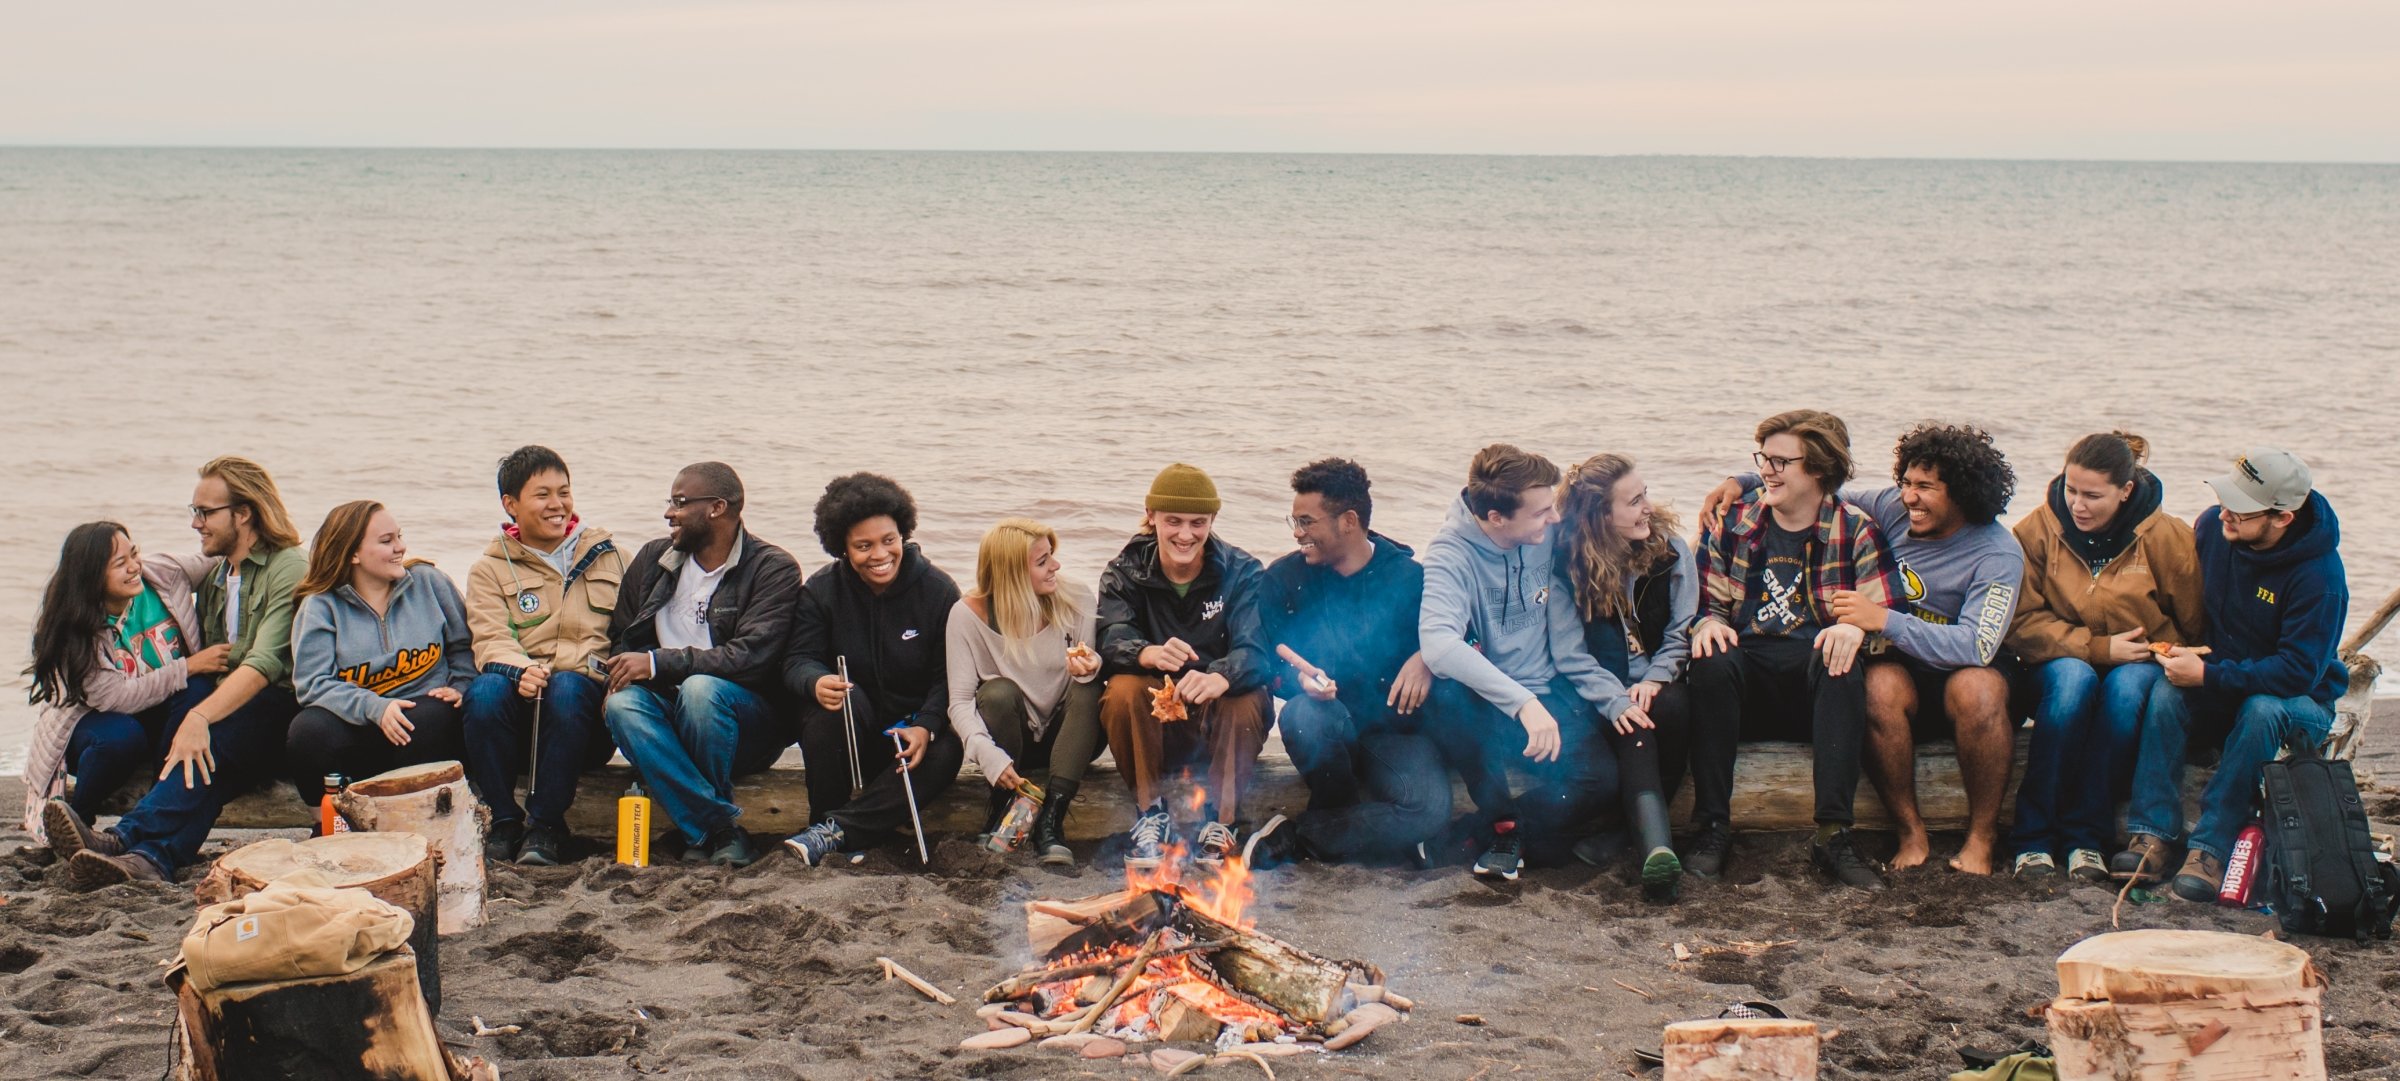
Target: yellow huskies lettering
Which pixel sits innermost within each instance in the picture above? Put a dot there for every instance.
(407, 666)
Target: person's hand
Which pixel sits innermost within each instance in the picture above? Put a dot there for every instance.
(1541, 731)
(1643, 694)
(531, 681)
(1410, 687)
(1201, 688)
(1719, 500)
(913, 741)
(448, 696)
(1839, 643)
(1712, 637)
(1007, 778)
(625, 669)
(394, 721)
(190, 751)
(2130, 647)
(2184, 668)
(1633, 717)
(1852, 607)
(1169, 656)
(208, 662)
(1082, 662)
(831, 689)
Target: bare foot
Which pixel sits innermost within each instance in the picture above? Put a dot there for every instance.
(1914, 848)
(1974, 857)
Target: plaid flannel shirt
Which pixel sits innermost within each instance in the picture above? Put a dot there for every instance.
(1846, 553)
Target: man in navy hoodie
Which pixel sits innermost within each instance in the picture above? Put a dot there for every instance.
(2273, 586)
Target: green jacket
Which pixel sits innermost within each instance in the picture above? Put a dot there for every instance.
(269, 575)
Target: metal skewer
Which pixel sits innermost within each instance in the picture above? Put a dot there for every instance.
(900, 749)
(849, 726)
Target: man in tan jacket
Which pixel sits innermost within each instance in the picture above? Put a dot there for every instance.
(538, 602)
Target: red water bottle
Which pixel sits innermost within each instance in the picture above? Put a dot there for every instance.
(2241, 869)
(329, 820)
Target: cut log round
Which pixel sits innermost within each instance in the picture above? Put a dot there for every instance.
(2187, 1006)
(432, 801)
(398, 868)
(2172, 966)
(1741, 1049)
(369, 1023)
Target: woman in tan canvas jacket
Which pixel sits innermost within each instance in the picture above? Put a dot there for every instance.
(2107, 575)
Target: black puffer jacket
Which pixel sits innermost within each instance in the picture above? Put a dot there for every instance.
(893, 642)
(749, 616)
(1218, 616)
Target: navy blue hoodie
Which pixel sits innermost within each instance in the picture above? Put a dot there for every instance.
(2275, 617)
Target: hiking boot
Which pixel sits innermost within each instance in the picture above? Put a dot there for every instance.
(1662, 876)
(89, 870)
(2202, 874)
(2034, 866)
(730, 847)
(2087, 865)
(69, 834)
(817, 843)
(1506, 857)
(1150, 836)
(1600, 849)
(2145, 860)
(1050, 826)
(1838, 856)
(1273, 845)
(1710, 851)
(502, 843)
(1215, 845)
(542, 846)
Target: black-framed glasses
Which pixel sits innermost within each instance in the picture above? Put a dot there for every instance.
(1769, 463)
(678, 502)
(2239, 518)
(202, 514)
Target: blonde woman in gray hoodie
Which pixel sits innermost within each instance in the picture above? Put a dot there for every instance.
(381, 654)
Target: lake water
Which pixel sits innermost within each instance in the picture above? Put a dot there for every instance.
(1039, 333)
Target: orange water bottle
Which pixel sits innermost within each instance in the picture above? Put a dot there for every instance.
(329, 820)
(633, 828)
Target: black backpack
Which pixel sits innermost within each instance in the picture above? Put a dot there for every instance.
(2321, 872)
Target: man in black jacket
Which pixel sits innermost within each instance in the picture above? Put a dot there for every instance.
(1178, 603)
(880, 606)
(697, 640)
(1355, 689)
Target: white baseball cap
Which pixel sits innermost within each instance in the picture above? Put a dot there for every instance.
(2267, 478)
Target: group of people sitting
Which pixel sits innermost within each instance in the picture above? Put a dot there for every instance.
(1558, 626)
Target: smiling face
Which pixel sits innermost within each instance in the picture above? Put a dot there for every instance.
(1931, 511)
(219, 525)
(1182, 540)
(1537, 511)
(542, 509)
(1791, 485)
(873, 551)
(690, 507)
(382, 554)
(1318, 533)
(122, 581)
(2092, 501)
(1041, 564)
(1629, 511)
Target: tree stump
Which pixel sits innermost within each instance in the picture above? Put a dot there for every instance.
(1741, 1049)
(398, 868)
(2161, 1005)
(370, 1023)
(433, 802)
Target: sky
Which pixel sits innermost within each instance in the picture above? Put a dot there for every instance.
(2212, 80)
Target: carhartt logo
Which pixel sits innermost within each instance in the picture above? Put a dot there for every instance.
(2265, 595)
(246, 930)
(908, 634)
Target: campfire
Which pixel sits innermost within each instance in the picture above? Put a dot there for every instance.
(1174, 959)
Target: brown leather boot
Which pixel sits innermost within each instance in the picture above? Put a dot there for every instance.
(90, 870)
(69, 834)
(2145, 860)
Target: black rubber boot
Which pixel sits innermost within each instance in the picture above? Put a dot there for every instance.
(1662, 872)
(1050, 826)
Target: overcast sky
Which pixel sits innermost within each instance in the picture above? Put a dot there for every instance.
(2301, 80)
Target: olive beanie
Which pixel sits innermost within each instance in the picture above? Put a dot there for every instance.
(1183, 489)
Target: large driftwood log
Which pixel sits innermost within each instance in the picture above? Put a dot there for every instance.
(398, 868)
(370, 1023)
(1741, 1049)
(1304, 986)
(433, 802)
(2161, 1005)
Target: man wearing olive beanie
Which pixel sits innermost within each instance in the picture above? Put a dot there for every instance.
(1180, 603)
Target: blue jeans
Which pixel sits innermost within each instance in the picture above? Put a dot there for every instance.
(172, 821)
(108, 750)
(1482, 743)
(501, 739)
(1373, 790)
(2255, 730)
(2086, 728)
(690, 742)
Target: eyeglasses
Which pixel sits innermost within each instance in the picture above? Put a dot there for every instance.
(678, 502)
(1303, 522)
(1768, 463)
(202, 514)
(2244, 519)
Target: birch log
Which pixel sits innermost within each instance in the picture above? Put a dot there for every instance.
(433, 802)
(2159, 1005)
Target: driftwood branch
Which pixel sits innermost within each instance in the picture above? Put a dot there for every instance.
(1018, 985)
(892, 970)
(2374, 624)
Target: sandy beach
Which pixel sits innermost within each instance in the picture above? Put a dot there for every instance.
(616, 972)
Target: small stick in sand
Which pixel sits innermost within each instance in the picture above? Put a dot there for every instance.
(2127, 888)
(893, 971)
(1632, 988)
(482, 1029)
(1252, 1056)
(1061, 912)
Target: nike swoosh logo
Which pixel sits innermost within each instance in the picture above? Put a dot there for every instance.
(908, 634)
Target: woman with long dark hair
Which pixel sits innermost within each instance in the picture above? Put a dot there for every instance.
(115, 666)
(1637, 593)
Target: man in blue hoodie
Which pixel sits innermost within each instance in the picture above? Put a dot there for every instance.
(2276, 595)
(1488, 623)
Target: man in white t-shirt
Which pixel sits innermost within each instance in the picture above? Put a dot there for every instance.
(696, 642)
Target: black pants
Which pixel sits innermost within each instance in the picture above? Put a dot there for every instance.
(1652, 759)
(880, 809)
(1376, 787)
(320, 743)
(1774, 687)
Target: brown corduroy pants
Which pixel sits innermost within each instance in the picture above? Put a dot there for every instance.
(1227, 732)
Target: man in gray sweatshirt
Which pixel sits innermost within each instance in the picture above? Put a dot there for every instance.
(1487, 625)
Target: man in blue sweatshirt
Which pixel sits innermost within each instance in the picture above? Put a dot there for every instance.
(1489, 623)
(2272, 583)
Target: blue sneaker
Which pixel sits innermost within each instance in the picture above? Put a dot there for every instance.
(817, 843)
(1506, 856)
(1151, 834)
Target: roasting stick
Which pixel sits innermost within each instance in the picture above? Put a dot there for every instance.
(893, 971)
(849, 726)
(924, 855)
(1310, 675)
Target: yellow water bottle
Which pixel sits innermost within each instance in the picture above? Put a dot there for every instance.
(633, 828)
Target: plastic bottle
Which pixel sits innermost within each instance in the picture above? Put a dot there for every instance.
(1018, 820)
(330, 821)
(2241, 869)
(633, 828)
